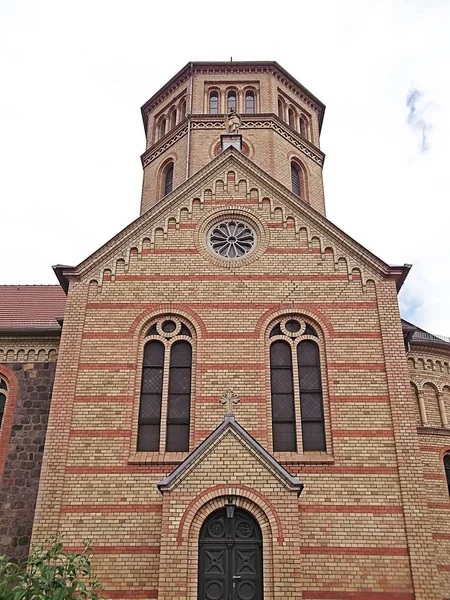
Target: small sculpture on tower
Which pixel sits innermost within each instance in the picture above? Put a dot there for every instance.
(233, 121)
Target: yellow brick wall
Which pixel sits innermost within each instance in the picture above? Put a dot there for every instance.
(371, 523)
(349, 519)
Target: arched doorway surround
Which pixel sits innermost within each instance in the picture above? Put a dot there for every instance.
(230, 556)
(216, 502)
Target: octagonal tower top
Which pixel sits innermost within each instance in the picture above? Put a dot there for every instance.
(280, 123)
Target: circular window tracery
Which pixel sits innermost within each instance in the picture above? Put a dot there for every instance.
(232, 239)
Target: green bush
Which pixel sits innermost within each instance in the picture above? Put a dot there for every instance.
(49, 573)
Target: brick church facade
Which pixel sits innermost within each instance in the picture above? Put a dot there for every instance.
(236, 410)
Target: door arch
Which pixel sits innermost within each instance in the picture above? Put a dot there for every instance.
(230, 557)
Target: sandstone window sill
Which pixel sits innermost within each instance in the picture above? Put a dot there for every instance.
(145, 458)
(309, 458)
(433, 430)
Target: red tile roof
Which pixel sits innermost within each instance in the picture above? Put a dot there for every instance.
(31, 306)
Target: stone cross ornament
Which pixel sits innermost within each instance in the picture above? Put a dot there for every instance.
(228, 399)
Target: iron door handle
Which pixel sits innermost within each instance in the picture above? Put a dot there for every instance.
(237, 577)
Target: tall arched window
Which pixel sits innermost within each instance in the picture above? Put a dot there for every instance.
(151, 397)
(295, 179)
(293, 341)
(167, 351)
(311, 400)
(447, 470)
(231, 100)
(3, 392)
(168, 179)
(179, 401)
(283, 407)
(214, 102)
(250, 102)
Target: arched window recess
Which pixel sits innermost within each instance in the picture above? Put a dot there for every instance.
(165, 178)
(249, 101)
(304, 127)
(281, 108)
(173, 118)
(162, 128)
(168, 180)
(182, 110)
(166, 388)
(296, 387)
(231, 100)
(3, 396)
(291, 116)
(214, 102)
(298, 180)
(447, 471)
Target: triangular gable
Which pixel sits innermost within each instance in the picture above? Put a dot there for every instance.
(231, 159)
(230, 424)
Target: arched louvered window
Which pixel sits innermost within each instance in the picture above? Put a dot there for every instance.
(231, 101)
(3, 392)
(168, 180)
(166, 388)
(250, 102)
(296, 342)
(447, 470)
(295, 179)
(179, 397)
(282, 388)
(214, 103)
(311, 399)
(280, 109)
(151, 397)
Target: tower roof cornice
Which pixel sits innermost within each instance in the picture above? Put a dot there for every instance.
(232, 67)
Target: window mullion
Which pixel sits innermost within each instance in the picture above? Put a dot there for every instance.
(298, 414)
(165, 398)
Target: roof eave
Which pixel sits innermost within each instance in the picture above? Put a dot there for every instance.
(30, 331)
(400, 273)
(437, 343)
(61, 272)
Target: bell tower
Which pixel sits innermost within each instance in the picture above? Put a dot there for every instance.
(276, 119)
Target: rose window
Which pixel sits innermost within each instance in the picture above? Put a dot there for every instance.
(232, 239)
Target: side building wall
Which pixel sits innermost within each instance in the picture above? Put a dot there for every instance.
(429, 370)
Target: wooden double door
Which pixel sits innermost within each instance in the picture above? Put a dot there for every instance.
(230, 557)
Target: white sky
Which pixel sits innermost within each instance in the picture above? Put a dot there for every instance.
(75, 74)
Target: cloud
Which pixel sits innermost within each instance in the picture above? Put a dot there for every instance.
(418, 118)
(410, 305)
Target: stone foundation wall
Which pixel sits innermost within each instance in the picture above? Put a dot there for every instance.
(25, 433)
